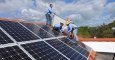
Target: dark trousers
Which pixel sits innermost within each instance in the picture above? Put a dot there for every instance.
(56, 29)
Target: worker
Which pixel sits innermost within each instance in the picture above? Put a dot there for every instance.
(50, 15)
(58, 27)
(72, 30)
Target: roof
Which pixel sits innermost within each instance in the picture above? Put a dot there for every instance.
(29, 37)
(102, 46)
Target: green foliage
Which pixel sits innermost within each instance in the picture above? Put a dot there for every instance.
(83, 31)
(103, 31)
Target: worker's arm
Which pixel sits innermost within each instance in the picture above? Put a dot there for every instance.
(70, 29)
(61, 30)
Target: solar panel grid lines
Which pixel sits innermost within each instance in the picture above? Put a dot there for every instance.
(32, 41)
(17, 31)
(48, 32)
(13, 53)
(56, 37)
(77, 47)
(85, 46)
(57, 50)
(66, 50)
(26, 52)
(86, 49)
(42, 51)
(40, 48)
(73, 49)
(28, 29)
(4, 39)
(47, 28)
(9, 37)
(82, 50)
(37, 30)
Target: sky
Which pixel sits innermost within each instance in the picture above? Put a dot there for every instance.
(81, 12)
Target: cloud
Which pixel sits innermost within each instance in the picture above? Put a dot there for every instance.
(31, 14)
(81, 12)
(111, 9)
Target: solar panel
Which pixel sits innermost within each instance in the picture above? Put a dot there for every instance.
(76, 45)
(41, 51)
(46, 49)
(37, 30)
(53, 32)
(4, 39)
(18, 32)
(66, 50)
(85, 46)
(13, 53)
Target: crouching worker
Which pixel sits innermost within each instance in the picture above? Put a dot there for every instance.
(72, 31)
(58, 27)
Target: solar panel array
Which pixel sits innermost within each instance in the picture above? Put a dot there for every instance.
(26, 41)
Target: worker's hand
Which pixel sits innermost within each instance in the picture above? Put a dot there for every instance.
(60, 33)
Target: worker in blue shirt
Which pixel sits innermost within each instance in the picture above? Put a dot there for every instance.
(58, 27)
(50, 15)
(72, 30)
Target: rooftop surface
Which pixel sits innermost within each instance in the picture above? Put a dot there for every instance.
(104, 56)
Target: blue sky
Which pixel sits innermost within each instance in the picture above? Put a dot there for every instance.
(110, 1)
(82, 12)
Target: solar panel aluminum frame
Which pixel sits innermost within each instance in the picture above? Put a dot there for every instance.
(89, 54)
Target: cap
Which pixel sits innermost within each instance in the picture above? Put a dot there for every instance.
(67, 21)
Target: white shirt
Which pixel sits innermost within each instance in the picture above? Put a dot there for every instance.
(57, 25)
(50, 10)
(70, 27)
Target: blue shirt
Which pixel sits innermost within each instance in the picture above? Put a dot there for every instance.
(50, 10)
(59, 27)
(70, 27)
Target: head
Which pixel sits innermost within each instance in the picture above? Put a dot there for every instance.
(67, 21)
(61, 24)
(67, 24)
(51, 5)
